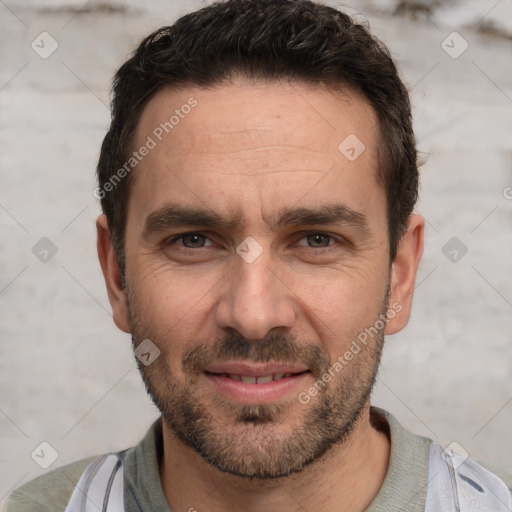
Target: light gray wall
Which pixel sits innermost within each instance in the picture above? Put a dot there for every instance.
(67, 375)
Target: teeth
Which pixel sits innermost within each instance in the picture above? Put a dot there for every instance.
(256, 380)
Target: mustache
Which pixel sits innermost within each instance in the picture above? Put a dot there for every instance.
(276, 348)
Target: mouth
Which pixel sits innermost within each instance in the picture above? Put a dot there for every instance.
(252, 383)
(258, 379)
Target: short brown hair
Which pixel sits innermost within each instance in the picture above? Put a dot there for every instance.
(295, 40)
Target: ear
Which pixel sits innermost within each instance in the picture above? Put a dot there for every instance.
(112, 275)
(403, 273)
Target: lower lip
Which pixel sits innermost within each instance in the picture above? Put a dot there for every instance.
(257, 393)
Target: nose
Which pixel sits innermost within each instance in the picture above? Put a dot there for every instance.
(256, 299)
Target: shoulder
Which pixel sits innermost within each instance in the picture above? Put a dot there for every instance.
(455, 477)
(48, 493)
(503, 474)
(434, 472)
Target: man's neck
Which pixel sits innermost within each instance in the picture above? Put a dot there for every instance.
(347, 478)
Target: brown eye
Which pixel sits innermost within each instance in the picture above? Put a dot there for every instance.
(318, 240)
(193, 240)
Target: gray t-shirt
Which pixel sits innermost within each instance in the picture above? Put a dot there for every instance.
(404, 488)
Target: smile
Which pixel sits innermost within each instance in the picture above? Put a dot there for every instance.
(252, 383)
(256, 380)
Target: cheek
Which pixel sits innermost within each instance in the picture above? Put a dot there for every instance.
(173, 305)
(172, 291)
(342, 307)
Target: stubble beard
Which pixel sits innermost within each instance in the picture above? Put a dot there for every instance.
(255, 441)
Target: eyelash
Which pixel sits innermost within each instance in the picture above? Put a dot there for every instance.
(337, 240)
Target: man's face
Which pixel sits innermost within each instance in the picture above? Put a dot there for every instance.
(296, 268)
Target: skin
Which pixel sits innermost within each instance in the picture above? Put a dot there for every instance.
(255, 148)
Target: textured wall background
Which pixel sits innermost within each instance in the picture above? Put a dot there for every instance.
(67, 375)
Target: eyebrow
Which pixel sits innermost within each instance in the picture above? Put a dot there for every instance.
(173, 216)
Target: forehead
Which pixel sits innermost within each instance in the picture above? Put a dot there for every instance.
(241, 144)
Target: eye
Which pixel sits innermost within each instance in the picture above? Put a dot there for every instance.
(318, 240)
(191, 240)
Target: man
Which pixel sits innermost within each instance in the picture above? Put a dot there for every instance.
(258, 241)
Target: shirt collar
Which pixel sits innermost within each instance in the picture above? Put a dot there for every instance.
(404, 487)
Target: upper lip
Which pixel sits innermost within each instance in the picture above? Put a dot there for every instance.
(254, 369)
